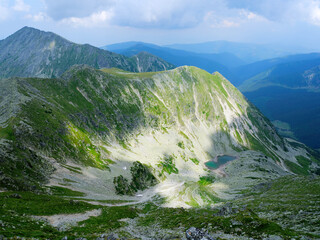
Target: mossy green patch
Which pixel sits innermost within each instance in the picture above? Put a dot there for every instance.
(61, 191)
(168, 165)
(295, 168)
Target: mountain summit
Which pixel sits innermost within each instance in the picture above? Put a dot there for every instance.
(33, 53)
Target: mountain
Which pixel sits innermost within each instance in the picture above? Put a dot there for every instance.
(33, 53)
(295, 112)
(286, 90)
(248, 52)
(295, 71)
(221, 62)
(118, 47)
(173, 121)
(146, 62)
(119, 154)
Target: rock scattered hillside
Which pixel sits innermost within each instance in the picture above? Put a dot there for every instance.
(98, 122)
(110, 154)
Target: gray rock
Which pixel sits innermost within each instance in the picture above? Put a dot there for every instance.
(102, 237)
(15, 195)
(112, 236)
(198, 234)
(274, 237)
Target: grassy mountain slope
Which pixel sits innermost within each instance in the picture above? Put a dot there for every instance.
(33, 53)
(86, 128)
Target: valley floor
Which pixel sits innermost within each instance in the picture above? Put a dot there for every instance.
(286, 208)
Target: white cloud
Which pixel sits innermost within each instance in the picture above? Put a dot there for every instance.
(38, 17)
(21, 6)
(64, 9)
(233, 18)
(95, 19)
(313, 12)
(166, 14)
(315, 16)
(4, 11)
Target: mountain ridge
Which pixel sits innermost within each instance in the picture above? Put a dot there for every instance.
(30, 52)
(102, 120)
(221, 62)
(249, 52)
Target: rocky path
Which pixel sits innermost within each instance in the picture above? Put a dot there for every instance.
(65, 221)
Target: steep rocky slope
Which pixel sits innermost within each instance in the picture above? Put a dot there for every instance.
(33, 53)
(89, 126)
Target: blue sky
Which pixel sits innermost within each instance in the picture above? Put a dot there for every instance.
(101, 22)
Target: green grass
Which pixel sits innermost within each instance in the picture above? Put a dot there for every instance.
(108, 221)
(195, 161)
(171, 218)
(295, 168)
(15, 214)
(61, 191)
(181, 145)
(292, 201)
(7, 133)
(168, 165)
(304, 162)
(206, 180)
(34, 204)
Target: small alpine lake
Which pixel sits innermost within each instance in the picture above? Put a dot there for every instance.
(221, 160)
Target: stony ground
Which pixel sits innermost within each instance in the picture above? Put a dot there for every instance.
(266, 211)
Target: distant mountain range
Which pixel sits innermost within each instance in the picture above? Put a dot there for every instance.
(295, 71)
(248, 52)
(221, 62)
(287, 90)
(33, 53)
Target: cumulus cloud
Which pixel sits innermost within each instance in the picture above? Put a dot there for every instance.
(62, 9)
(159, 13)
(94, 19)
(21, 6)
(180, 13)
(38, 17)
(133, 13)
(4, 10)
(310, 11)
